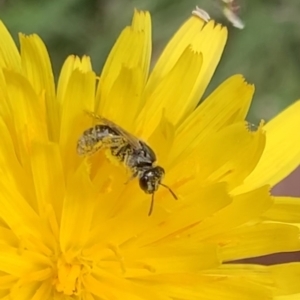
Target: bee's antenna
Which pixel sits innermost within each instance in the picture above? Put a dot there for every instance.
(152, 198)
(151, 205)
(173, 194)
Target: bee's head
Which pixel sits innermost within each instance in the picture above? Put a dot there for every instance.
(150, 180)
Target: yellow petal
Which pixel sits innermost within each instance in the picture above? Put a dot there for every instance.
(258, 240)
(287, 277)
(79, 96)
(181, 65)
(207, 39)
(228, 104)
(6, 281)
(289, 297)
(21, 263)
(282, 279)
(27, 291)
(210, 42)
(29, 117)
(190, 211)
(124, 97)
(11, 169)
(173, 258)
(44, 291)
(76, 222)
(71, 63)
(8, 238)
(158, 259)
(243, 209)
(161, 140)
(168, 99)
(37, 68)
(43, 273)
(23, 220)
(98, 287)
(4, 107)
(109, 286)
(132, 50)
(210, 286)
(48, 173)
(232, 164)
(9, 54)
(282, 152)
(284, 209)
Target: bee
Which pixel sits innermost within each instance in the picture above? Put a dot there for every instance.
(135, 154)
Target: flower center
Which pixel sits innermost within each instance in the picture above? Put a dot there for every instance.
(69, 275)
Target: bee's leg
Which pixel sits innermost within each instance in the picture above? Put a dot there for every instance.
(111, 142)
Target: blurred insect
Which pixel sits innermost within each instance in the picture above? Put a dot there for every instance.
(231, 10)
(135, 154)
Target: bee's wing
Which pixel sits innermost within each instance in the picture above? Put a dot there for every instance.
(132, 140)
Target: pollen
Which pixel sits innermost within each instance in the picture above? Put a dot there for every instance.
(70, 273)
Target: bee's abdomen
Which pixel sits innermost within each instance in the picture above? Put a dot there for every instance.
(92, 139)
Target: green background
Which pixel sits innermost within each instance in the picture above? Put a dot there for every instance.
(266, 52)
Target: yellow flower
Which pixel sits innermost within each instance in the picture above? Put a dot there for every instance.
(69, 226)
